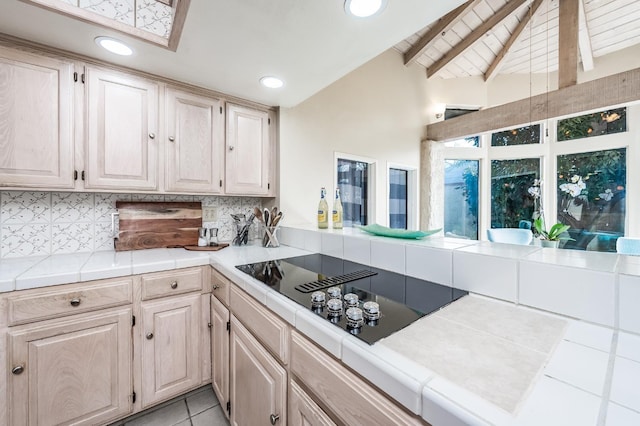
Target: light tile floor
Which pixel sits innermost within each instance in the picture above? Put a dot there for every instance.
(199, 407)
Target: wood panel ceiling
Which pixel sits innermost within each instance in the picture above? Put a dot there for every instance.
(490, 37)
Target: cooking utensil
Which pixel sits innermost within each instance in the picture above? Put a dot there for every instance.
(274, 212)
(258, 213)
(265, 215)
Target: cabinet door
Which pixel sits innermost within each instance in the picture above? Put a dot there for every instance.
(73, 371)
(303, 411)
(220, 351)
(194, 145)
(258, 383)
(36, 121)
(121, 149)
(248, 151)
(170, 347)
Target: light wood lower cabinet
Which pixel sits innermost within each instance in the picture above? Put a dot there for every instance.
(220, 352)
(75, 370)
(258, 384)
(303, 411)
(170, 347)
(352, 400)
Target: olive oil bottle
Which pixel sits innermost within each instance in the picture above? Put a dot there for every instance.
(337, 211)
(323, 210)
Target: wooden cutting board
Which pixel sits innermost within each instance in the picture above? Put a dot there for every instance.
(145, 225)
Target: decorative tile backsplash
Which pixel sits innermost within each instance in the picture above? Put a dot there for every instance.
(43, 223)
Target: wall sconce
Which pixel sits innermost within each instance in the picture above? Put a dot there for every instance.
(439, 109)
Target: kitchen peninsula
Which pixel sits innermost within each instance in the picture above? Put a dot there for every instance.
(580, 375)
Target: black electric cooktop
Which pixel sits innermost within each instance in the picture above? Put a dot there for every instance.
(314, 280)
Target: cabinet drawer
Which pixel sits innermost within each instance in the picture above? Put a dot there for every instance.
(171, 282)
(221, 286)
(272, 332)
(42, 305)
(350, 398)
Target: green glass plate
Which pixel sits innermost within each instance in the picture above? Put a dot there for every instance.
(383, 231)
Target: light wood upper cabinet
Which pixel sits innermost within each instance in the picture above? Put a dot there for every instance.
(194, 143)
(258, 384)
(170, 347)
(36, 121)
(249, 152)
(75, 370)
(122, 131)
(220, 352)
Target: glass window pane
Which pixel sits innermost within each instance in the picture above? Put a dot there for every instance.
(352, 181)
(471, 141)
(596, 124)
(398, 198)
(591, 198)
(520, 136)
(511, 201)
(461, 198)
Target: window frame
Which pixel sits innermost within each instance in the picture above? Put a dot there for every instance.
(412, 193)
(548, 150)
(371, 182)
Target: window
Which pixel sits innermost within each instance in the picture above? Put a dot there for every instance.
(353, 177)
(510, 199)
(520, 136)
(591, 198)
(398, 198)
(461, 198)
(507, 178)
(596, 124)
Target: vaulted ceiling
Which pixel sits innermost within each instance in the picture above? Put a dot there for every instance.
(490, 37)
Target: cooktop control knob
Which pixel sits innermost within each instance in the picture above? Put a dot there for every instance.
(318, 299)
(371, 311)
(334, 293)
(354, 318)
(334, 309)
(351, 300)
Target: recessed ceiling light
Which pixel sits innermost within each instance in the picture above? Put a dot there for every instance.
(114, 46)
(271, 82)
(364, 8)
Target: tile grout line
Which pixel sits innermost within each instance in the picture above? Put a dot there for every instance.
(608, 381)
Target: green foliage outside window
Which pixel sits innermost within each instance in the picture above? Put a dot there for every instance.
(596, 124)
(520, 136)
(510, 199)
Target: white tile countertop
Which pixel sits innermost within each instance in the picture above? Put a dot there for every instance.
(587, 377)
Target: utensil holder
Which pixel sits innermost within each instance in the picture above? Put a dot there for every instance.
(270, 237)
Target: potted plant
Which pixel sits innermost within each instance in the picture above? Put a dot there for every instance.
(553, 236)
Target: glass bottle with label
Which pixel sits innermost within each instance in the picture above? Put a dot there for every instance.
(337, 211)
(323, 211)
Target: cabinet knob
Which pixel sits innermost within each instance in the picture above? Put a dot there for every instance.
(149, 336)
(152, 135)
(171, 139)
(17, 369)
(75, 302)
(215, 287)
(274, 418)
(231, 148)
(174, 285)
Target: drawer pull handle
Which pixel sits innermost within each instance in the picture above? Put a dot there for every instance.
(18, 369)
(274, 418)
(149, 336)
(75, 302)
(174, 285)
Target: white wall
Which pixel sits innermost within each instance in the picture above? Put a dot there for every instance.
(378, 111)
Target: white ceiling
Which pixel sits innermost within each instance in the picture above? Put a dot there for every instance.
(227, 45)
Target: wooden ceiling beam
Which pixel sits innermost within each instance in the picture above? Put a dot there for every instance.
(443, 25)
(468, 41)
(498, 61)
(584, 40)
(568, 42)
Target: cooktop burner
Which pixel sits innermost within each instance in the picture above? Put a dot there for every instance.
(366, 302)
